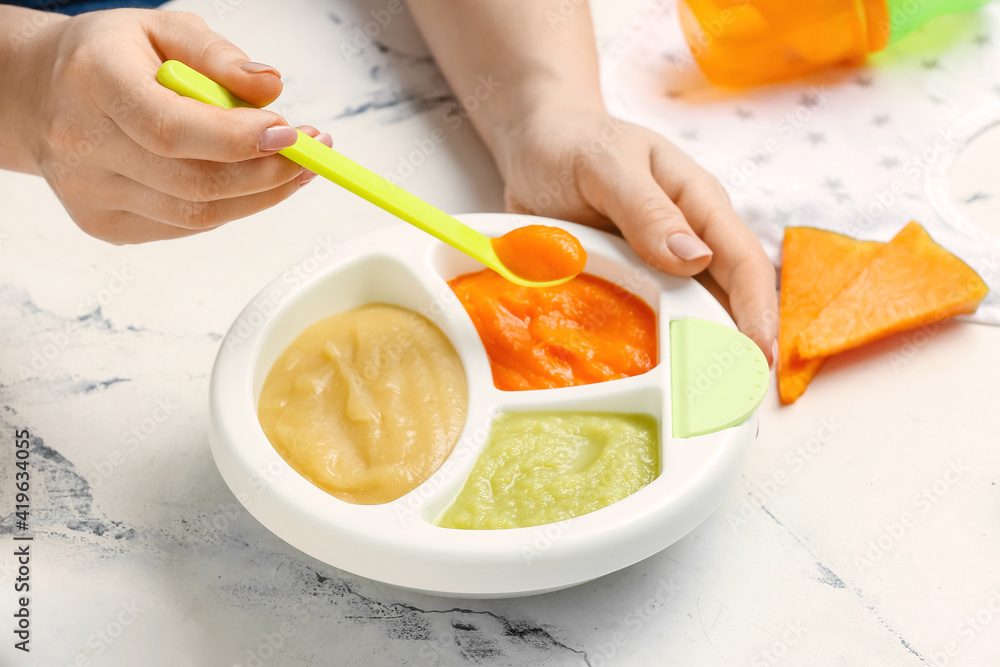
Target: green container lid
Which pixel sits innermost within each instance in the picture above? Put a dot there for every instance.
(905, 16)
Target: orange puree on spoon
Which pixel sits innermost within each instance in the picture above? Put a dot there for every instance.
(583, 331)
(540, 253)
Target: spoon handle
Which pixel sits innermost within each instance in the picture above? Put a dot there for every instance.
(330, 164)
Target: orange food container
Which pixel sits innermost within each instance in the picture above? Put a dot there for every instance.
(745, 42)
(741, 43)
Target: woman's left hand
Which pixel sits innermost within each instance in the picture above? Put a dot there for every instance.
(591, 168)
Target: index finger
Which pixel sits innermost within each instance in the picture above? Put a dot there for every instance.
(739, 265)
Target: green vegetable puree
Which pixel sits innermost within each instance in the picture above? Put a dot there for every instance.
(540, 468)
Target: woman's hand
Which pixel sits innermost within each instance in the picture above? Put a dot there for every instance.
(588, 167)
(130, 160)
(561, 155)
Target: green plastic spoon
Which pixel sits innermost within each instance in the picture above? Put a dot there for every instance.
(331, 165)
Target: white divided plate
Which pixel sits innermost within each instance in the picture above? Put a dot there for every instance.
(397, 543)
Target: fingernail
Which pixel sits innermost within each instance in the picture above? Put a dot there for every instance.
(687, 247)
(306, 177)
(774, 353)
(259, 68)
(325, 139)
(277, 137)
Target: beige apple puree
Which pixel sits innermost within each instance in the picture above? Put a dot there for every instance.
(366, 404)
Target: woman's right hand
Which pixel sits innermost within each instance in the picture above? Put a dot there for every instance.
(130, 160)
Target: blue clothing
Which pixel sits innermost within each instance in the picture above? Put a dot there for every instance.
(81, 6)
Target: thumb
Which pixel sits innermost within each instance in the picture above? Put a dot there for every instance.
(187, 38)
(653, 225)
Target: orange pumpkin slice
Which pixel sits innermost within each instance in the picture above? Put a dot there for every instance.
(815, 266)
(911, 282)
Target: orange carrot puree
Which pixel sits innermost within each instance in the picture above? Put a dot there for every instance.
(540, 253)
(584, 331)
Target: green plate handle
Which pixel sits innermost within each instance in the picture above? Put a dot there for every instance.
(718, 377)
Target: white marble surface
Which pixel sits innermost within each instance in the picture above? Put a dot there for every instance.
(143, 557)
